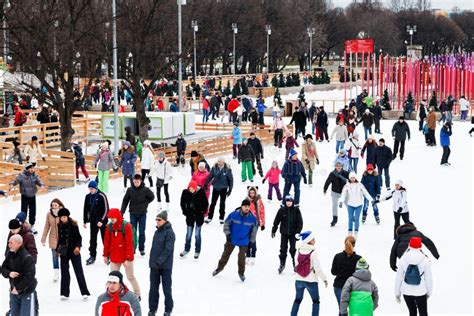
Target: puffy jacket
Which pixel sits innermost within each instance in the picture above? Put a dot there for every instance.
(322, 119)
(367, 120)
(401, 131)
(139, 198)
(352, 147)
(341, 133)
(343, 266)
(316, 271)
(180, 145)
(360, 294)
(51, 227)
(163, 170)
(194, 206)
(128, 160)
(242, 228)
(344, 161)
(258, 209)
(33, 152)
(371, 183)
(236, 136)
(261, 106)
(121, 303)
(337, 179)
(28, 240)
(299, 118)
(383, 156)
(148, 158)
(377, 111)
(399, 199)
(289, 219)
(69, 237)
(353, 194)
(28, 183)
(246, 153)
(309, 155)
(200, 178)
(221, 179)
(104, 160)
(256, 146)
(23, 263)
(291, 143)
(118, 246)
(273, 175)
(370, 147)
(96, 207)
(418, 258)
(162, 248)
(444, 135)
(293, 170)
(432, 120)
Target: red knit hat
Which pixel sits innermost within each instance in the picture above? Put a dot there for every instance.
(370, 167)
(415, 242)
(192, 184)
(114, 213)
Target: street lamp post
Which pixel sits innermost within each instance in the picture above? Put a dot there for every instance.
(268, 27)
(411, 30)
(107, 25)
(180, 60)
(6, 5)
(116, 101)
(56, 24)
(235, 30)
(311, 31)
(194, 25)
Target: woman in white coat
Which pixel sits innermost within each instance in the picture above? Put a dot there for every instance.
(163, 171)
(33, 151)
(353, 195)
(414, 280)
(400, 205)
(148, 158)
(353, 147)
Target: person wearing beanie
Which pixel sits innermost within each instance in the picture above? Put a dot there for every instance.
(222, 182)
(119, 246)
(367, 120)
(382, 158)
(414, 279)
(341, 135)
(344, 160)
(309, 157)
(197, 158)
(96, 206)
(257, 208)
(246, 157)
(236, 140)
(240, 229)
(180, 145)
(292, 172)
(369, 147)
(421, 114)
(360, 294)
(128, 157)
(337, 179)
(290, 221)
(164, 173)
(200, 177)
(370, 180)
(29, 182)
(32, 151)
(137, 198)
(299, 118)
(23, 229)
(444, 140)
(104, 161)
(308, 272)
(290, 143)
(343, 266)
(400, 132)
(117, 297)
(194, 205)
(80, 161)
(69, 249)
(51, 228)
(256, 145)
(161, 264)
(353, 147)
(146, 162)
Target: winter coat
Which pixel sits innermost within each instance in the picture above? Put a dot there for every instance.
(163, 170)
(401, 131)
(352, 147)
(310, 155)
(51, 227)
(28, 240)
(69, 237)
(432, 120)
(194, 164)
(273, 175)
(246, 153)
(293, 170)
(80, 161)
(139, 198)
(322, 120)
(291, 143)
(118, 246)
(236, 136)
(162, 248)
(124, 301)
(233, 105)
(258, 210)
(444, 136)
(278, 124)
(261, 106)
(337, 180)
(241, 228)
(360, 294)
(256, 146)
(343, 266)
(370, 148)
(344, 161)
(194, 206)
(367, 120)
(96, 207)
(399, 200)
(377, 111)
(129, 136)
(128, 159)
(33, 152)
(422, 112)
(200, 178)
(289, 219)
(353, 194)
(383, 156)
(341, 133)
(23, 263)
(418, 258)
(104, 160)
(316, 271)
(464, 104)
(253, 117)
(28, 182)
(180, 145)
(371, 183)
(148, 158)
(221, 179)
(299, 118)
(400, 245)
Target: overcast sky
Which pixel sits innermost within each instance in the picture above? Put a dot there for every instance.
(435, 4)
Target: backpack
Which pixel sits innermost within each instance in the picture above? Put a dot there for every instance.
(303, 268)
(413, 276)
(134, 233)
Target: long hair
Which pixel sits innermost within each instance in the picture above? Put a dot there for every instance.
(349, 244)
(58, 201)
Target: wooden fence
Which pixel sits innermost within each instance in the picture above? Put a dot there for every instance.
(8, 172)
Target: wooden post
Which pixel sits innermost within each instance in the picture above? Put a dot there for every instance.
(43, 132)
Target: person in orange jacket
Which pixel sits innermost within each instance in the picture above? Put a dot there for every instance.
(258, 210)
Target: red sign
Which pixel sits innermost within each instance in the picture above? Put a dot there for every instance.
(359, 46)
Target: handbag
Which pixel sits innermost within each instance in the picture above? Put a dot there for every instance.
(62, 250)
(160, 182)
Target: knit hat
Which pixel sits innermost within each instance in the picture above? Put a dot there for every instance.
(245, 202)
(194, 153)
(63, 212)
(147, 143)
(292, 153)
(308, 136)
(381, 140)
(163, 215)
(352, 174)
(367, 111)
(34, 138)
(401, 118)
(92, 184)
(116, 277)
(126, 143)
(370, 167)
(305, 237)
(28, 166)
(415, 243)
(192, 184)
(399, 182)
(371, 136)
(244, 139)
(14, 224)
(114, 213)
(289, 197)
(362, 264)
(343, 151)
(21, 217)
(202, 164)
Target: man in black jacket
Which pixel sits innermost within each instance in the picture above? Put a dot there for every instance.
(180, 150)
(383, 158)
(96, 206)
(139, 196)
(377, 111)
(291, 223)
(400, 131)
(337, 178)
(367, 120)
(300, 122)
(19, 268)
(322, 124)
(422, 114)
(256, 145)
(400, 245)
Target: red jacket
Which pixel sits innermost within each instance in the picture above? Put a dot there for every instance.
(200, 178)
(118, 247)
(122, 303)
(261, 211)
(233, 105)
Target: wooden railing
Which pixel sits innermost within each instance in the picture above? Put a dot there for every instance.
(8, 172)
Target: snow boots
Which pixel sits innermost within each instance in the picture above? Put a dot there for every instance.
(90, 261)
(334, 221)
(281, 268)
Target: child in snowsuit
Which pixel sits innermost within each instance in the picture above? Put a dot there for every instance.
(273, 176)
(246, 158)
(370, 180)
(258, 210)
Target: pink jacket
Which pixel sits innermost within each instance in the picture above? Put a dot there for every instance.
(273, 175)
(200, 178)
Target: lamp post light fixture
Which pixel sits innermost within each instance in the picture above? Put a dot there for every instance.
(56, 24)
(6, 5)
(411, 30)
(180, 59)
(268, 27)
(194, 25)
(115, 62)
(311, 31)
(235, 30)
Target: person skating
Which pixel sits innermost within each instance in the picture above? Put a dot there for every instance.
(29, 183)
(96, 206)
(344, 266)
(290, 221)
(370, 180)
(308, 273)
(353, 195)
(279, 129)
(353, 147)
(421, 115)
(129, 136)
(273, 176)
(147, 160)
(369, 150)
(367, 120)
(464, 106)
(80, 161)
(194, 205)
(222, 183)
(258, 210)
(444, 140)
(337, 179)
(128, 157)
(236, 139)
(180, 150)
(290, 143)
(200, 176)
(309, 157)
(414, 279)
(138, 196)
(197, 158)
(299, 118)
(15, 154)
(17, 227)
(400, 132)
(161, 264)
(292, 172)
(33, 151)
(117, 297)
(341, 135)
(377, 111)
(257, 148)
(119, 246)
(360, 294)
(343, 160)
(432, 126)
(69, 249)
(51, 229)
(240, 229)
(246, 158)
(322, 124)
(164, 173)
(383, 157)
(104, 161)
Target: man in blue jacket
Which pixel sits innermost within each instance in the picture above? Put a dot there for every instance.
(240, 229)
(292, 172)
(370, 180)
(444, 135)
(222, 182)
(261, 109)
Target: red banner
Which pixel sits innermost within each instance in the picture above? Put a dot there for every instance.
(359, 46)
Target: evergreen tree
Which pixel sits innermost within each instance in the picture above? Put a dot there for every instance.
(277, 96)
(282, 81)
(227, 90)
(386, 100)
(301, 97)
(289, 81)
(434, 101)
(245, 89)
(410, 100)
(275, 81)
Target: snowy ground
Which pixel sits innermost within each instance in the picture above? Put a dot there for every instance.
(440, 200)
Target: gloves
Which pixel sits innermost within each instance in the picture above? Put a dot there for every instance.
(305, 180)
(227, 238)
(340, 204)
(397, 298)
(273, 234)
(262, 227)
(263, 181)
(394, 268)
(228, 193)
(399, 210)
(317, 161)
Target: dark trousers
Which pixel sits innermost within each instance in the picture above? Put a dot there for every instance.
(28, 203)
(386, 173)
(125, 178)
(285, 239)
(228, 249)
(275, 186)
(287, 188)
(259, 165)
(66, 277)
(446, 153)
(146, 172)
(158, 193)
(322, 132)
(158, 276)
(93, 239)
(400, 144)
(252, 250)
(235, 149)
(377, 126)
(138, 222)
(260, 118)
(432, 137)
(416, 303)
(420, 124)
(300, 130)
(278, 136)
(337, 293)
(222, 194)
(404, 216)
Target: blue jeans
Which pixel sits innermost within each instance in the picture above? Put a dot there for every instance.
(354, 217)
(286, 190)
(252, 249)
(189, 236)
(205, 115)
(339, 145)
(55, 259)
(337, 292)
(464, 115)
(139, 220)
(367, 131)
(353, 163)
(387, 176)
(366, 207)
(275, 114)
(157, 276)
(313, 291)
(23, 304)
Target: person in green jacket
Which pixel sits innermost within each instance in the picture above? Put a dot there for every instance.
(359, 293)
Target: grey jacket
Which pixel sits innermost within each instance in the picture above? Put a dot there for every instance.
(105, 160)
(125, 296)
(361, 282)
(28, 183)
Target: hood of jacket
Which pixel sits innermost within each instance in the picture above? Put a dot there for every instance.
(405, 229)
(414, 256)
(363, 275)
